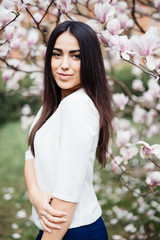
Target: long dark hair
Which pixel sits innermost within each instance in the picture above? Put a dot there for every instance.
(93, 80)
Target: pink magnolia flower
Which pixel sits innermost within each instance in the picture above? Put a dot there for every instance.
(153, 130)
(43, 4)
(120, 124)
(139, 115)
(9, 32)
(113, 26)
(93, 24)
(153, 178)
(138, 85)
(122, 6)
(115, 163)
(32, 38)
(157, 3)
(147, 44)
(5, 16)
(119, 45)
(125, 21)
(7, 74)
(149, 166)
(150, 63)
(21, 32)
(37, 16)
(15, 43)
(146, 150)
(154, 88)
(104, 11)
(120, 100)
(64, 5)
(8, 4)
(151, 115)
(55, 12)
(128, 153)
(148, 98)
(122, 138)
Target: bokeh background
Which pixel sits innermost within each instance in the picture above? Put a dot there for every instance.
(129, 196)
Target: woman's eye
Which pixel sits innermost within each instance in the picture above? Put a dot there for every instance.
(76, 56)
(55, 54)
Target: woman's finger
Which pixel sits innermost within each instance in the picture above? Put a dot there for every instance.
(56, 219)
(45, 227)
(55, 213)
(50, 225)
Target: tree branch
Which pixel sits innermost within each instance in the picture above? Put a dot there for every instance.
(134, 16)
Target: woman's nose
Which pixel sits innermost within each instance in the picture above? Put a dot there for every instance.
(65, 63)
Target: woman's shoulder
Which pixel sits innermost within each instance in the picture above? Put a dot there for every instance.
(79, 100)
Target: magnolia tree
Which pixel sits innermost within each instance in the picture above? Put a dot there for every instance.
(24, 29)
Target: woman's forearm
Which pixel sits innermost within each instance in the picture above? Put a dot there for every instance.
(69, 208)
(30, 178)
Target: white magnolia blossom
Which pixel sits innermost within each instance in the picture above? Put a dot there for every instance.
(9, 32)
(32, 37)
(130, 228)
(128, 153)
(114, 27)
(153, 178)
(137, 85)
(122, 6)
(147, 44)
(157, 3)
(122, 138)
(149, 166)
(116, 163)
(139, 115)
(64, 5)
(120, 100)
(104, 11)
(154, 88)
(125, 22)
(147, 150)
(7, 74)
(153, 130)
(26, 109)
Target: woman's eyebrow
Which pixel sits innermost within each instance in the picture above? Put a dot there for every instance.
(72, 51)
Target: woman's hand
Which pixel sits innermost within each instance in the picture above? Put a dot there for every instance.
(49, 217)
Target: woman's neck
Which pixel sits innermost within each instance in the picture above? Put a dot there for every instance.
(66, 92)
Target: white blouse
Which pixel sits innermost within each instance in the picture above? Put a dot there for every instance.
(65, 148)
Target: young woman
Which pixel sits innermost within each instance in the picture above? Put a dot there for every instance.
(71, 127)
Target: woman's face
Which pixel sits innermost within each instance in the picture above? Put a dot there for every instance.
(66, 62)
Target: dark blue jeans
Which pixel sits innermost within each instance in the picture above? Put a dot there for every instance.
(93, 231)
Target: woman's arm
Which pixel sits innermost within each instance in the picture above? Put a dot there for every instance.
(41, 200)
(69, 208)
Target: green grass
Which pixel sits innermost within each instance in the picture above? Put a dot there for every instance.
(12, 147)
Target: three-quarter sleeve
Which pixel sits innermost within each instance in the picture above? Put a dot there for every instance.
(28, 154)
(77, 126)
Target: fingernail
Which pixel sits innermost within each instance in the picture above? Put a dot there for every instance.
(65, 220)
(49, 231)
(58, 227)
(64, 213)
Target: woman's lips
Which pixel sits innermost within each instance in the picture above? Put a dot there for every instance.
(63, 76)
